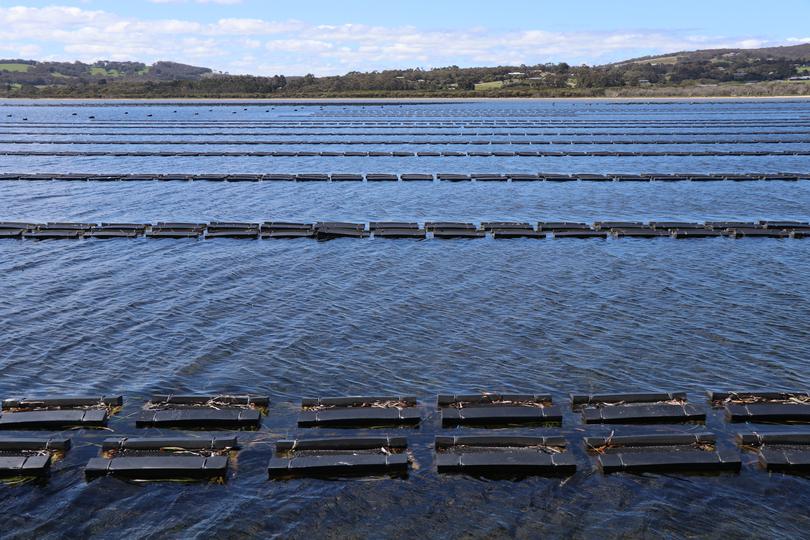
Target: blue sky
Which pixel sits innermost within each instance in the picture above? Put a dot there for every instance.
(337, 36)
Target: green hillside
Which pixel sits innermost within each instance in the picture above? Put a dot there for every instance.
(34, 73)
(716, 72)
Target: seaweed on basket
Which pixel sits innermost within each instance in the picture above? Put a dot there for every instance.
(748, 399)
(387, 404)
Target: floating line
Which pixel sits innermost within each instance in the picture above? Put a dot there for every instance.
(326, 230)
(458, 142)
(406, 177)
(381, 124)
(403, 133)
(46, 153)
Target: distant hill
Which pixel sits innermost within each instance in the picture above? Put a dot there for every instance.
(735, 72)
(799, 53)
(32, 72)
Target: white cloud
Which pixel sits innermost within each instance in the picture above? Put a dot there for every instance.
(253, 45)
(245, 27)
(299, 45)
(21, 51)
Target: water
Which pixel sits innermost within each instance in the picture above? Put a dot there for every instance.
(302, 318)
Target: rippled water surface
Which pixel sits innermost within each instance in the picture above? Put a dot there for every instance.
(304, 318)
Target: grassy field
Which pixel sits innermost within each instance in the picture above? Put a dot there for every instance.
(19, 68)
(102, 72)
(660, 60)
(494, 85)
(804, 70)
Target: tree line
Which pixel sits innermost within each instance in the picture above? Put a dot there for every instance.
(558, 79)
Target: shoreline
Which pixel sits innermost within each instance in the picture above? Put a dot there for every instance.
(415, 100)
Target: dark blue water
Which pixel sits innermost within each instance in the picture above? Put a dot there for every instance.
(303, 318)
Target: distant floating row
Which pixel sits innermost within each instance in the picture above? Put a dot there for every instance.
(328, 230)
(156, 131)
(492, 453)
(368, 142)
(411, 177)
(449, 122)
(246, 153)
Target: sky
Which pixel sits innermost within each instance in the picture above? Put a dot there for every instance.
(329, 37)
